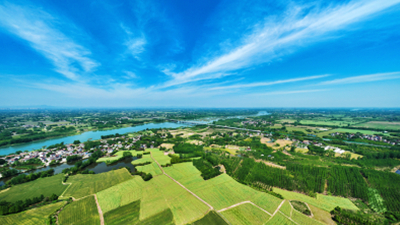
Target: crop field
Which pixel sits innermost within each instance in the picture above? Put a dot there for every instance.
(344, 130)
(151, 168)
(145, 159)
(322, 215)
(160, 157)
(375, 201)
(286, 209)
(167, 145)
(34, 216)
(87, 184)
(118, 156)
(128, 214)
(327, 203)
(121, 194)
(328, 122)
(42, 186)
(303, 219)
(82, 212)
(162, 193)
(246, 214)
(279, 219)
(212, 218)
(184, 173)
(380, 125)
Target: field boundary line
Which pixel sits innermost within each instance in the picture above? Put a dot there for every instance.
(211, 208)
(241, 203)
(69, 185)
(288, 218)
(279, 207)
(99, 210)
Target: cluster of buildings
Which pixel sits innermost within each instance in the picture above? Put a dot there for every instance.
(366, 137)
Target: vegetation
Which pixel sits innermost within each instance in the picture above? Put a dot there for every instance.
(301, 207)
(211, 218)
(83, 211)
(246, 214)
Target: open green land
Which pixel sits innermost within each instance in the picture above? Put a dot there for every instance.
(324, 202)
(222, 191)
(151, 168)
(286, 209)
(34, 216)
(82, 212)
(280, 219)
(322, 215)
(246, 214)
(127, 214)
(344, 130)
(145, 159)
(121, 194)
(328, 122)
(212, 218)
(42, 186)
(382, 125)
(87, 184)
(303, 219)
(118, 156)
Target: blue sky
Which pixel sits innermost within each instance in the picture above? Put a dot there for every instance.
(210, 53)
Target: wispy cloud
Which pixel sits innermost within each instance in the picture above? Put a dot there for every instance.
(364, 78)
(134, 42)
(38, 28)
(290, 92)
(259, 84)
(130, 75)
(279, 36)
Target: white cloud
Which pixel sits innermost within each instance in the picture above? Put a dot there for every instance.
(36, 27)
(278, 36)
(130, 75)
(259, 84)
(134, 43)
(290, 92)
(364, 78)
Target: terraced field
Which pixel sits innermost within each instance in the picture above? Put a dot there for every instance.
(86, 184)
(42, 186)
(82, 212)
(31, 217)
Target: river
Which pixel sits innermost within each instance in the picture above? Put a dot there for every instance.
(84, 137)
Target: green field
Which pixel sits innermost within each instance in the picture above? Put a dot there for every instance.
(151, 168)
(160, 157)
(87, 184)
(34, 216)
(279, 219)
(286, 209)
(303, 219)
(322, 215)
(380, 125)
(144, 159)
(42, 186)
(328, 122)
(222, 191)
(344, 130)
(82, 212)
(327, 203)
(128, 214)
(212, 218)
(121, 194)
(118, 156)
(246, 214)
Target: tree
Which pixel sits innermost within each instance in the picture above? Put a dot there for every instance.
(76, 142)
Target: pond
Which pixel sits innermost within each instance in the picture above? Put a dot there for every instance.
(95, 167)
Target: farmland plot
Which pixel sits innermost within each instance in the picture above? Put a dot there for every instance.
(246, 214)
(82, 212)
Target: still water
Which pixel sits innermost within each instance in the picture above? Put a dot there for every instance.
(84, 137)
(95, 167)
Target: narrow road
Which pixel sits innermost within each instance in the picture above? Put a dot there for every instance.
(211, 208)
(99, 209)
(278, 207)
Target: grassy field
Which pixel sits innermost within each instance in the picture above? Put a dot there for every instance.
(185, 173)
(344, 130)
(128, 214)
(160, 157)
(82, 212)
(380, 125)
(167, 145)
(42, 186)
(328, 122)
(117, 156)
(286, 209)
(31, 217)
(145, 159)
(327, 203)
(121, 194)
(303, 219)
(212, 218)
(322, 215)
(87, 184)
(279, 219)
(246, 214)
(151, 168)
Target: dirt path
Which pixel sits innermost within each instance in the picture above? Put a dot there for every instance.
(270, 164)
(279, 207)
(312, 215)
(244, 202)
(99, 209)
(211, 208)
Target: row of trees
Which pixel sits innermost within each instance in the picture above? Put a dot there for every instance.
(18, 206)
